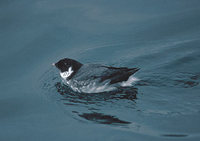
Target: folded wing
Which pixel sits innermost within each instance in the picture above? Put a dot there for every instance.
(116, 75)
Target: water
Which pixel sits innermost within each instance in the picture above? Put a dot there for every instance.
(160, 37)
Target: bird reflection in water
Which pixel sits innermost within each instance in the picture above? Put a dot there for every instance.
(93, 100)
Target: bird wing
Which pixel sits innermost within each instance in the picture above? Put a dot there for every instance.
(116, 75)
(100, 73)
(90, 72)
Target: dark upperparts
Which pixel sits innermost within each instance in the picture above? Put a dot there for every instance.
(116, 75)
(119, 74)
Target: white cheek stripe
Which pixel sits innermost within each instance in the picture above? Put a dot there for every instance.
(66, 74)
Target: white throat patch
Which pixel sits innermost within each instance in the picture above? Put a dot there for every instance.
(66, 74)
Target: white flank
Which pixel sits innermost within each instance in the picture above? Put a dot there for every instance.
(94, 87)
(131, 80)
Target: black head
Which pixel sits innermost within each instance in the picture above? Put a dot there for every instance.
(64, 64)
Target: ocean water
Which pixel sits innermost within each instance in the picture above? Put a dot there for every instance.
(160, 37)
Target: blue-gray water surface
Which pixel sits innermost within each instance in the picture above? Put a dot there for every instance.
(160, 37)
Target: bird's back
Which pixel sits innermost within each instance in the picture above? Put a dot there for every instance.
(99, 73)
(116, 75)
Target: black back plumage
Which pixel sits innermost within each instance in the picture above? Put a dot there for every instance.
(116, 75)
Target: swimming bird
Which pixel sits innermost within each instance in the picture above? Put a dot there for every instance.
(92, 78)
